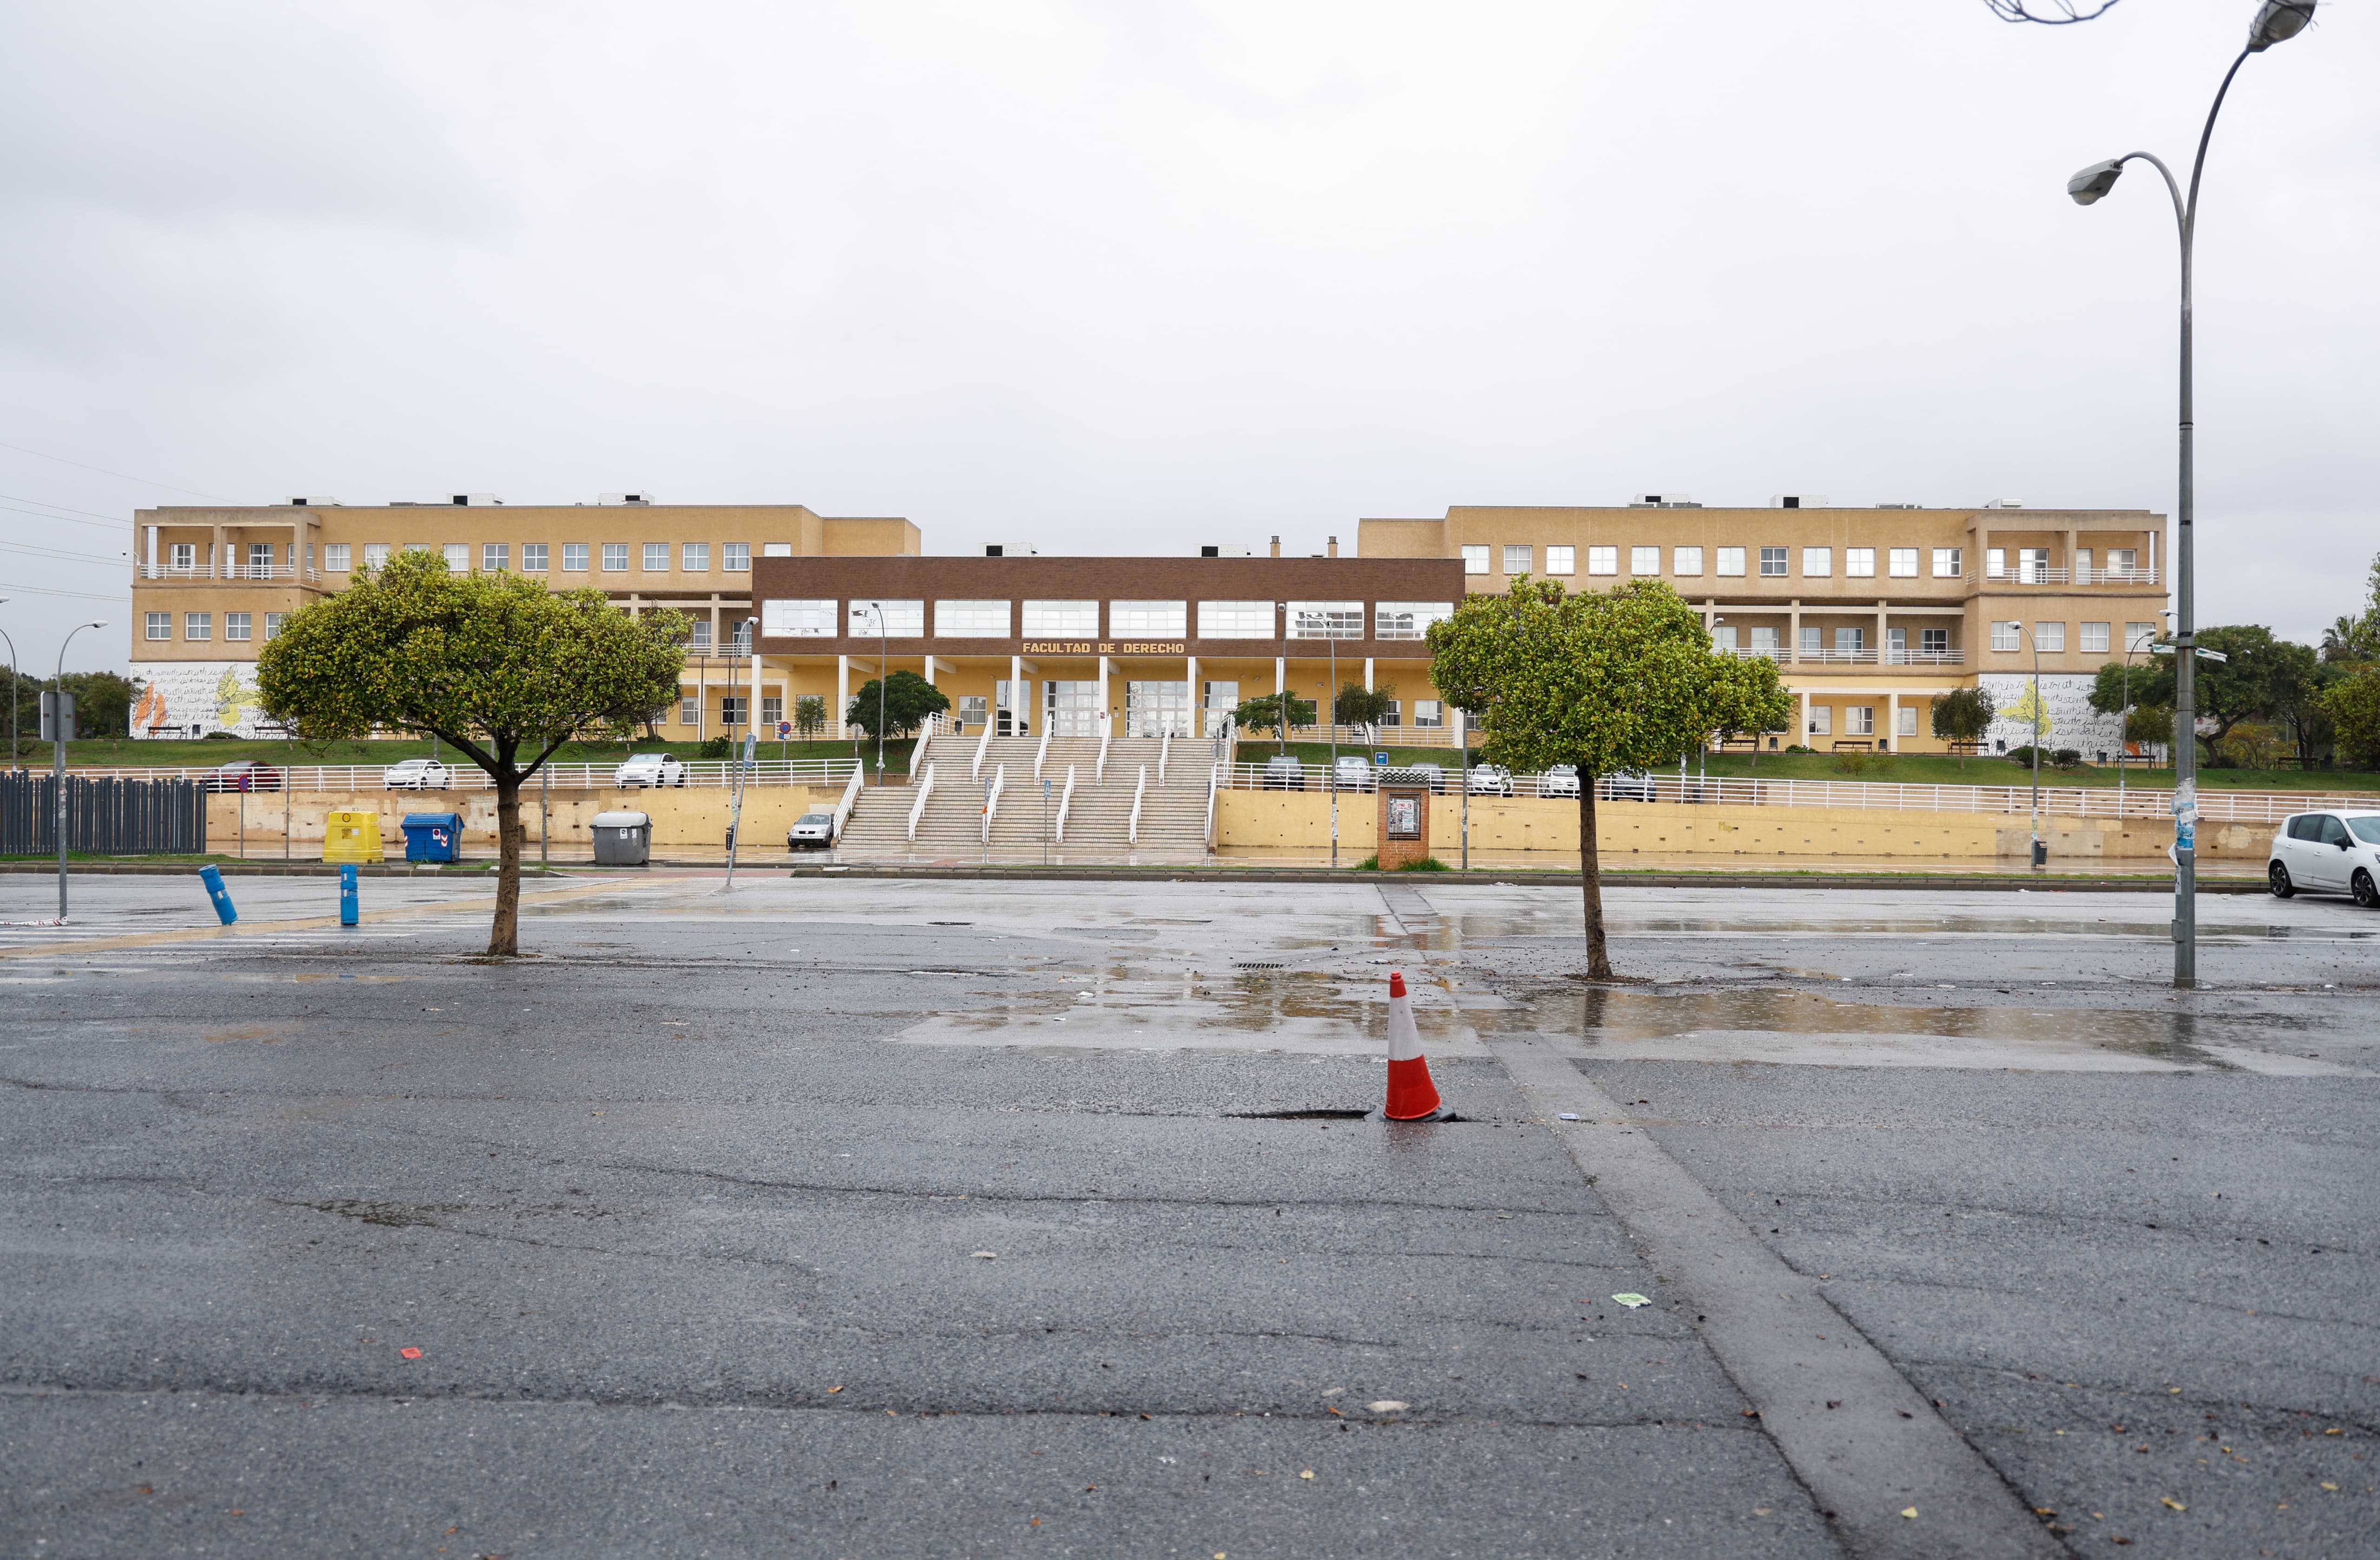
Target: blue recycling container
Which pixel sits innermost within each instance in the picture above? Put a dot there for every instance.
(221, 895)
(433, 837)
(350, 911)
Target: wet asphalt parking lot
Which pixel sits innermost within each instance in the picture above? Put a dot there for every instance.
(993, 1218)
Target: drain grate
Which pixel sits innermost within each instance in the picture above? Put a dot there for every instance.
(1300, 1115)
(1237, 965)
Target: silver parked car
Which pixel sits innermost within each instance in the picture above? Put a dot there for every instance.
(1560, 780)
(1353, 774)
(812, 831)
(1627, 785)
(2326, 853)
(650, 768)
(1283, 773)
(416, 774)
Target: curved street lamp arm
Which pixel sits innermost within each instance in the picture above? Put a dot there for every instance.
(2190, 220)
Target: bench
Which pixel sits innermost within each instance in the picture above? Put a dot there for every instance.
(1966, 750)
(1854, 744)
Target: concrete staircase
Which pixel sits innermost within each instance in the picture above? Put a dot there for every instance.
(1099, 821)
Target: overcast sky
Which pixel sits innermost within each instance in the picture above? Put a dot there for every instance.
(1136, 276)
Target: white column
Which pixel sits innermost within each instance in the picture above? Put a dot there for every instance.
(1019, 706)
(1794, 633)
(841, 689)
(1892, 719)
(1197, 703)
(1801, 732)
(1280, 674)
(1367, 674)
(1883, 634)
(1105, 718)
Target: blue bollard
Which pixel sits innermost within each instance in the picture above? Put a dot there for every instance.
(221, 895)
(349, 911)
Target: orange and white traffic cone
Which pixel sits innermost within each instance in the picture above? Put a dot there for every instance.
(1412, 1095)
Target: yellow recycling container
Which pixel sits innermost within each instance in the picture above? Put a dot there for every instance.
(351, 836)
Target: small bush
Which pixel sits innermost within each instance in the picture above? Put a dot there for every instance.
(1369, 863)
(718, 747)
(222, 736)
(2066, 758)
(1427, 863)
(2023, 757)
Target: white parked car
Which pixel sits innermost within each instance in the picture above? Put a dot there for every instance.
(2328, 854)
(1491, 780)
(812, 831)
(1560, 780)
(650, 768)
(416, 774)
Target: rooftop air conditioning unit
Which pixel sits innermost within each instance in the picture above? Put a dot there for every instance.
(1901, 506)
(1227, 553)
(2005, 503)
(315, 503)
(1002, 550)
(1662, 501)
(473, 501)
(624, 498)
(1797, 500)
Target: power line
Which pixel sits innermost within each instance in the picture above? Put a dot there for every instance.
(60, 552)
(65, 519)
(120, 476)
(83, 595)
(67, 508)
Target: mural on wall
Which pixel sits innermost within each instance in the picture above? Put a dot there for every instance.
(192, 698)
(2067, 719)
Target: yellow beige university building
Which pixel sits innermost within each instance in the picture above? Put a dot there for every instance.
(1870, 612)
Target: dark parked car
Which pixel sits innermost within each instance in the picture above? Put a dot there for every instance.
(1283, 773)
(1628, 785)
(1434, 773)
(243, 774)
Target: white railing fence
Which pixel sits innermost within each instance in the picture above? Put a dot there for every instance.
(982, 745)
(1735, 791)
(991, 799)
(1066, 803)
(470, 777)
(1042, 753)
(1099, 775)
(1214, 782)
(850, 799)
(917, 808)
(917, 754)
(1132, 831)
(1164, 751)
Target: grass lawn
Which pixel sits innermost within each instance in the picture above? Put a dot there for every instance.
(1911, 768)
(125, 752)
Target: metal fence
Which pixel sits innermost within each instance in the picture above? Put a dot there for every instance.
(2064, 801)
(105, 817)
(563, 777)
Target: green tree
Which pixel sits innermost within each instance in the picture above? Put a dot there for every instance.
(496, 665)
(102, 703)
(2151, 725)
(907, 701)
(1358, 706)
(1279, 711)
(1962, 715)
(1608, 681)
(809, 715)
(2353, 705)
(2263, 676)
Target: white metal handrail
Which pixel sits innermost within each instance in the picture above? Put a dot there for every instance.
(1925, 658)
(1099, 776)
(917, 808)
(982, 744)
(850, 799)
(917, 754)
(1132, 830)
(991, 799)
(1066, 801)
(1164, 750)
(1042, 753)
(1214, 783)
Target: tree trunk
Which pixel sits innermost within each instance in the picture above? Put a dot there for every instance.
(504, 938)
(1590, 876)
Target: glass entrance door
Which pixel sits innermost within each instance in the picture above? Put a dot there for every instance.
(1013, 704)
(1217, 700)
(1073, 708)
(1156, 709)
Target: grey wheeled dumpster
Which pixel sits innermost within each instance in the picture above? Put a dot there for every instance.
(624, 839)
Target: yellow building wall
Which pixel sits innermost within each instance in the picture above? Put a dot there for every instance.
(687, 816)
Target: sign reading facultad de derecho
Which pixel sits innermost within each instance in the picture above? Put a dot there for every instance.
(1090, 647)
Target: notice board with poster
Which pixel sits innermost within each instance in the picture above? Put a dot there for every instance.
(1405, 820)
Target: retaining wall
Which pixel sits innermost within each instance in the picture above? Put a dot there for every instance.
(691, 816)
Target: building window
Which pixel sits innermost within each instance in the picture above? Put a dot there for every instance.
(574, 557)
(1643, 560)
(1814, 642)
(2139, 637)
(1859, 562)
(694, 558)
(182, 557)
(1395, 714)
(458, 555)
(236, 625)
(1773, 562)
(2007, 636)
(700, 638)
(1730, 562)
(615, 558)
(375, 555)
(796, 620)
(2081, 564)
(902, 620)
(1475, 559)
(1429, 712)
(1326, 620)
(735, 557)
(334, 557)
(1723, 638)
(1147, 620)
(771, 709)
(1818, 562)
(2049, 637)
(1080, 619)
(656, 557)
(1764, 642)
(1859, 720)
(1518, 558)
(1934, 641)
(1850, 641)
(1902, 562)
(532, 557)
(1408, 620)
(731, 709)
(161, 625)
(1905, 723)
(976, 620)
(1822, 720)
(259, 560)
(1686, 562)
(1950, 563)
(1254, 620)
(1602, 560)
(198, 625)
(739, 637)
(2094, 638)
(689, 710)
(274, 624)
(2033, 565)
(776, 549)
(495, 557)
(1562, 560)
(1995, 562)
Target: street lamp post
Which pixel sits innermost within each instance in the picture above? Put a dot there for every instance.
(2035, 720)
(882, 660)
(16, 692)
(61, 729)
(2124, 716)
(2276, 21)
